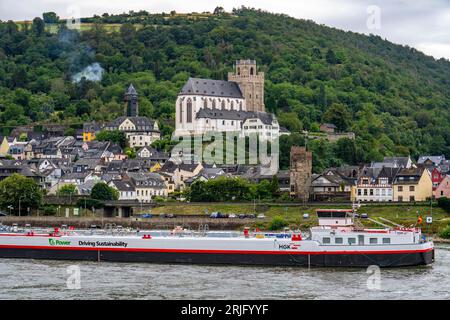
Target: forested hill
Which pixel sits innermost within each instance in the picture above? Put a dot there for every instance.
(395, 98)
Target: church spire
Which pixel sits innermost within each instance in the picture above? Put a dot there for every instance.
(131, 98)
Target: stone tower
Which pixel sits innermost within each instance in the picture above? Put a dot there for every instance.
(131, 99)
(300, 173)
(251, 83)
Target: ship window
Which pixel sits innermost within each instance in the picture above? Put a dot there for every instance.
(338, 240)
(326, 240)
(351, 240)
(386, 240)
(373, 240)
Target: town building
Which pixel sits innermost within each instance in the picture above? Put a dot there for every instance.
(443, 189)
(412, 184)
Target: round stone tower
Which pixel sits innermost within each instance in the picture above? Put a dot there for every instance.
(131, 99)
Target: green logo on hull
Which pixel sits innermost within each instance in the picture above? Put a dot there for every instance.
(54, 242)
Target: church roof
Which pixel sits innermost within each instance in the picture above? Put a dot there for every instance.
(209, 87)
(266, 118)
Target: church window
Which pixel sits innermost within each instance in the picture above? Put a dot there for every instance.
(214, 103)
(223, 104)
(189, 111)
(232, 105)
(205, 103)
(181, 112)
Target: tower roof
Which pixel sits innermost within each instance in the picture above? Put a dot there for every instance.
(131, 90)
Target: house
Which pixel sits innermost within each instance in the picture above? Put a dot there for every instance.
(375, 184)
(331, 184)
(147, 185)
(443, 189)
(180, 172)
(139, 131)
(431, 161)
(436, 177)
(90, 130)
(4, 147)
(412, 184)
(400, 162)
(327, 127)
(126, 189)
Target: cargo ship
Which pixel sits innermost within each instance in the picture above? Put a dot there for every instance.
(335, 242)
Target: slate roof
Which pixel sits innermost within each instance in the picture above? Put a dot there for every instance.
(209, 87)
(435, 159)
(141, 123)
(131, 90)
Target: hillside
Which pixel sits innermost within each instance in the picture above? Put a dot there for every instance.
(393, 97)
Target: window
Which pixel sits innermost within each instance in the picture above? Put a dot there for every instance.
(338, 241)
(223, 122)
(373, 241)
(205, 103)
(371, 192)
(326, 240)
(359, 192)
(181, 111)
(189, 111)
(400, 188)
(223, 104)
(351, 240)
(365, 192)
(386, 240)
(411, 188)
(411, 198)
(232, 105)
(214, 104)
(400, 198)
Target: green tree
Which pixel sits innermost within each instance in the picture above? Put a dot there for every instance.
(68, 189)
(339, 115)
(101, 191)
(50, 17)
(115, 136)
(20, 193)
(38, 26)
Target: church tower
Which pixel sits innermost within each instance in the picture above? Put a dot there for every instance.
(251, 83)
(131, 99)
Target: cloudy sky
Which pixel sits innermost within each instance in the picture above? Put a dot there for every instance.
(423, 24)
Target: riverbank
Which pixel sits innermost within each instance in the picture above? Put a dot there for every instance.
(195, 216)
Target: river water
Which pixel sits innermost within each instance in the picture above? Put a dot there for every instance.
(32, 279)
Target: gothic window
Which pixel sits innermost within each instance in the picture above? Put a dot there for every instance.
(214, 103)
(205, 103)
(223, 104)
(189, 111)
(232, 105)
(181, 111)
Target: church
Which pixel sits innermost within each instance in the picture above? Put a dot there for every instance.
(236, 105)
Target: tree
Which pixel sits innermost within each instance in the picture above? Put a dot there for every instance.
(219, 11)
(68, 189)
(339, 115)
(20, 193)
(50, 17)
(115, 136)
(101, 191)
(38, 26)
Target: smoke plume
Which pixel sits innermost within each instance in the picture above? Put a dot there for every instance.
(92, 72)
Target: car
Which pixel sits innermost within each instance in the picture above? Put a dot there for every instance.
(168, 215)
(355, 215)
(147, 215)
(232, 216)
(218, 215)
(261, 216)
(3, 214)
(250, 216)
(306, 216)
(364, 216)
(242, 216)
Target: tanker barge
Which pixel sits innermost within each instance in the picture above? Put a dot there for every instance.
(335, 242)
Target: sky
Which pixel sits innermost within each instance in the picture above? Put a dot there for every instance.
(422, 24)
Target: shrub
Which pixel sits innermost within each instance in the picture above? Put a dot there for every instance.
(445, 233)
(48, 210)
(277, 223)
(444, 203)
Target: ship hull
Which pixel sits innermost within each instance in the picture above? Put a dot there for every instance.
(298, 259)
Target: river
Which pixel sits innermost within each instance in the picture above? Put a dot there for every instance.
(33, 279)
